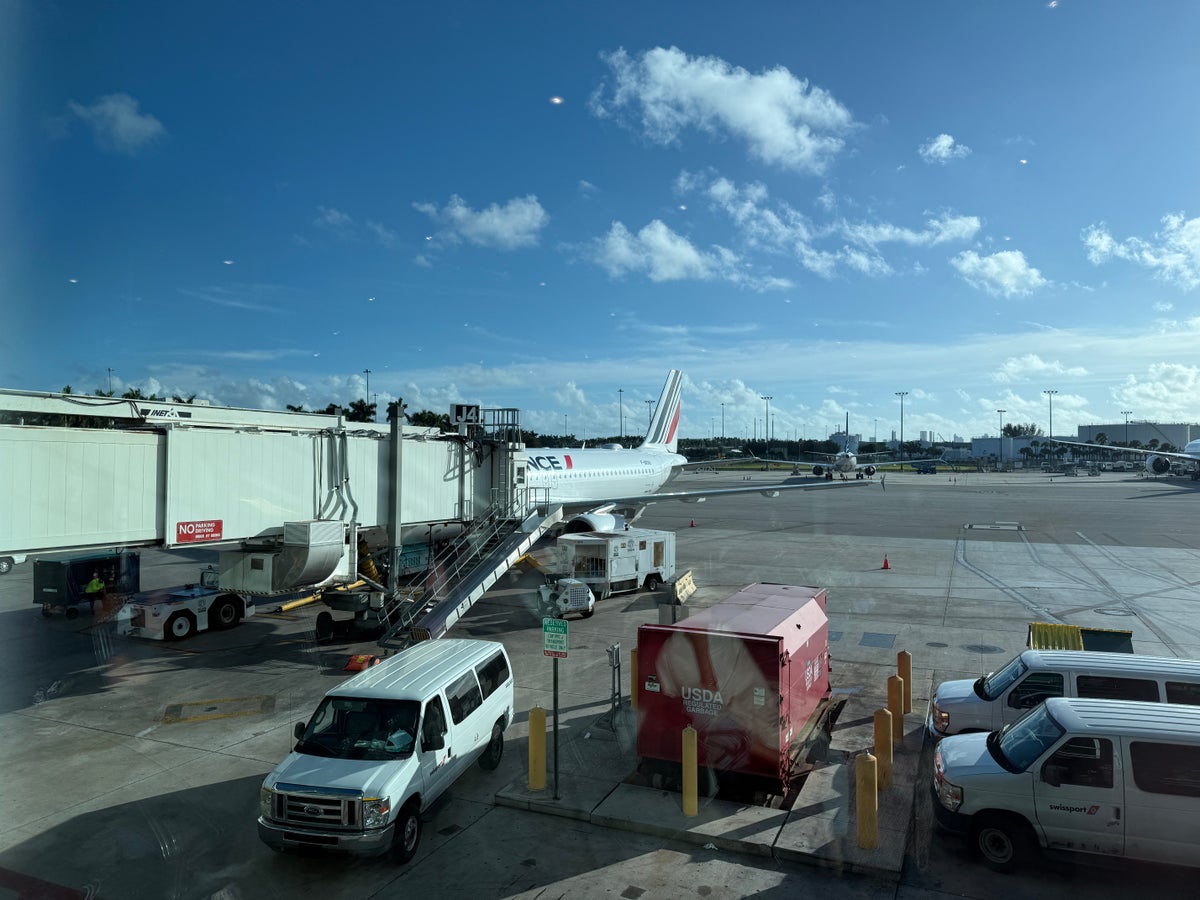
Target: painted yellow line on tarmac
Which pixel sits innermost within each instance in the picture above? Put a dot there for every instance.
(221, 708)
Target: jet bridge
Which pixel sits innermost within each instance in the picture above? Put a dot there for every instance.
(85, 473)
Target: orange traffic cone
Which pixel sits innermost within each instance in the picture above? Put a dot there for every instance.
(885, 562)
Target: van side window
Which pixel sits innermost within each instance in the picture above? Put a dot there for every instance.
(492, 674)
(1101, 687)
(434, 724)
(1179, 692)
(1036, 688)
(1087, 762)
(464, 696)
(1166, 768)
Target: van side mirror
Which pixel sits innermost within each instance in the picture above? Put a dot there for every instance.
(298, 731)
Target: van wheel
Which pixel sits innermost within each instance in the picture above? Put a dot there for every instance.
(1004, 842)
(407, 834)
(495, 749)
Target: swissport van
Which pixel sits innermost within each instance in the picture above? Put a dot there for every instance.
(995, 700)
(1107, 777)
(384, 745)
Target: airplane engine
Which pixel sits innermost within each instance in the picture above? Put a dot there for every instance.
(595, 522)
(868, 471)
(817, 470)
(1158, 465)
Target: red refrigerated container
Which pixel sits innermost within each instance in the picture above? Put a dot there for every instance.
(747, 674)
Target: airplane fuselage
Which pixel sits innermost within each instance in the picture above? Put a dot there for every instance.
(845, 463)
(572, 476)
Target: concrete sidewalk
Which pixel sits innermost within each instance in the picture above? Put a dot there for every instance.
(820, 827)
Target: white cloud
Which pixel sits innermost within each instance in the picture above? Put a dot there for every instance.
(516, 224)
(1169, 389)
(1173, 255)
(1029, 366)
(664, 255)
(383, 234)
(1004, 274)
(783, 120)
(117, 124)
(775, 226)
(328, 217)
(942, 149)
(941, 230)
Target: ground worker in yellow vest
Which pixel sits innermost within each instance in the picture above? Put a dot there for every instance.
(94, 590)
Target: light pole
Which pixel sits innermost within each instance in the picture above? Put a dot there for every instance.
(621, 422)
(1125, 412)
(1000, 445)
(767, 421)
(901, 395)
(1050, 397)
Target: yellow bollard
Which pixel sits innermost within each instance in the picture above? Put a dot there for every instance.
(883, 747)
(537, 749)
(895, 686)
(866, 802)
(633, 684)
(691, 805)
(904, 670)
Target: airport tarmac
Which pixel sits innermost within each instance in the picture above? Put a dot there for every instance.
(131, 768)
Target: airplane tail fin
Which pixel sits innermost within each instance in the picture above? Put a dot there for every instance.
(664, 426)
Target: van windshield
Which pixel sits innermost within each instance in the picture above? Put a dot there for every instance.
(361, 728)
(989, 687)
(1017, 746)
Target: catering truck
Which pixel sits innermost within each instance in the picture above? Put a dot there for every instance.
(612, 562)
(750, 674)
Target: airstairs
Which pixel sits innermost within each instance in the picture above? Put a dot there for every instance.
(461, 574)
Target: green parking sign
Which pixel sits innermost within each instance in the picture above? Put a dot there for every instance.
(554, 638)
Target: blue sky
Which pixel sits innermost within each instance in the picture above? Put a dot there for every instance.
(548, 205)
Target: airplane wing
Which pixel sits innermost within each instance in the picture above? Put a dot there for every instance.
(699, 496)
(1167, 454)
(619, 512)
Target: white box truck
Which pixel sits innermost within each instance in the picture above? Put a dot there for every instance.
(611, 562)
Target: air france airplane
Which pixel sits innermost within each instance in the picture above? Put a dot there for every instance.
(612, 484)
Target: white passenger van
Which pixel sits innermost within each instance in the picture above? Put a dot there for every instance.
(994, 700)
(384, 745)
(1107, 777)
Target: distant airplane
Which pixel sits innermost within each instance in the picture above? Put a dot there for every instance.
(612, 485)
(1158, 462)
(846, 463)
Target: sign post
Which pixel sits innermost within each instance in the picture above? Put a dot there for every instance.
(555, 638)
